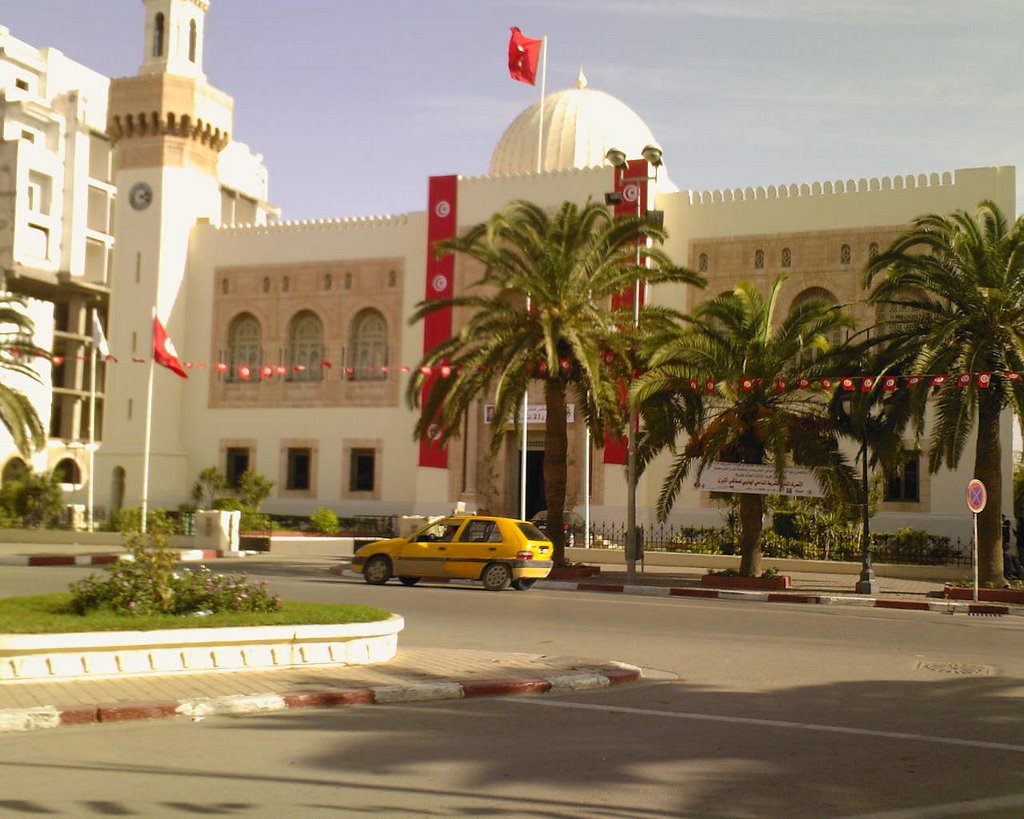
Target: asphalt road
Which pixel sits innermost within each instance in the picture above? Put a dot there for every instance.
(750, 710)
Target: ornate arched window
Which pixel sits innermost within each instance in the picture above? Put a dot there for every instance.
(158, 35)
(67, 471)
(834, 337)
(787, 257)
(193, 40)
(305, 347)
(872, 250)
(369, 344)
(14, 470)
(245, 347)
(702, 263)
(758, 260)
(845, 254)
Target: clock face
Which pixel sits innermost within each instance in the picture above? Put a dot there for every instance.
(140, 196)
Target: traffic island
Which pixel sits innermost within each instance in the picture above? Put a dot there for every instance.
(113, 654)
(988, 595)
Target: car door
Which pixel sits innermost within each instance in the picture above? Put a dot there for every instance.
(477, 544)
(425, 553)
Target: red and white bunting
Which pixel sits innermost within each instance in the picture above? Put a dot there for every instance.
(984, 379)
(867, 383)
(963, 380)
(780, 385)
(938, 380)
(889, 383)
(747, 384)
(826, 384)
(846, 383)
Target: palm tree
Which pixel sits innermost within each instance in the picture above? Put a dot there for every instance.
(16, 346)
(960, 281)
(537, 315)
(753, 413)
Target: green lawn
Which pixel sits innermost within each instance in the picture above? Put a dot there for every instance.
(52, 614)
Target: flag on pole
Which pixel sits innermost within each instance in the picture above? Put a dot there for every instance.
(99, 339)
(164, 353)
(523, 55)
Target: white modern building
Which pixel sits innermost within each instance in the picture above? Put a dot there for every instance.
(131, 194)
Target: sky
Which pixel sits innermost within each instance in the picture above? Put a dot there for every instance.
(354, 104)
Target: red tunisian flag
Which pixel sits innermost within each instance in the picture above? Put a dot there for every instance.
(164, 353)
(523, 55)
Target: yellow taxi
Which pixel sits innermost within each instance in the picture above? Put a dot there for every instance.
(499, 552)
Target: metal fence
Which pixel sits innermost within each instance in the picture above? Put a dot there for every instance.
(910, 548)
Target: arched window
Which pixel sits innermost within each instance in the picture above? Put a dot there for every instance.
(758, 260)
(193, 40)
(702, 263)
(787, 257)
(158, 35)
(845, 254)
(835, 337)
(67, 471)
(305, 347)
(266, 284)
(245, 347)
(369, 345)
(15, 469)
(118, 479)
(328, 281)
(286, 284)
(897, 318)
(348, 281)
(872, 250)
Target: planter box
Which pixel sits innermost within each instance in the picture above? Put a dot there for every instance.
(716, 581)
(574, 573)
(987, 595)
(97, 654)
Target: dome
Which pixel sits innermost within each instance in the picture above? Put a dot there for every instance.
(580, 125)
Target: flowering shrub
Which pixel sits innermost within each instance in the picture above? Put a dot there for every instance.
(148, 583)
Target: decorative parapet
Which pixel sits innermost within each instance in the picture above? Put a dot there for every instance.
(104, 654)
(827, 188)
(122, 126)
(321, 225)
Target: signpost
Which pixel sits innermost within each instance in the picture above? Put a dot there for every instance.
(977, 497)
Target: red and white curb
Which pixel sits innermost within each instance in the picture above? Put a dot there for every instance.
(185, 556)
(944, 606)
(48, 716)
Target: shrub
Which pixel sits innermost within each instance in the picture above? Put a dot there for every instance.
(325, 521)
(33, 500)
(148, 583)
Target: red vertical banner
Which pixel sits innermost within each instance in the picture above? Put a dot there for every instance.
(631, 184)
(437, 327)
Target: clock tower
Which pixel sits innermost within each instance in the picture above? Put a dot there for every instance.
(168, 125)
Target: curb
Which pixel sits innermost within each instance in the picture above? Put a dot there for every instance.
(184, 556)
(49, 716)
(943, 606)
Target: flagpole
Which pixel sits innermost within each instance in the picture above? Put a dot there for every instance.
(149, 423)
(540, 168)
(92, 432)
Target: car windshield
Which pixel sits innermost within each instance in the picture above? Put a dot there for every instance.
(531, 532)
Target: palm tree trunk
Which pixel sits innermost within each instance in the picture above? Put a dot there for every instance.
(556, 447)
(751, 521)
(988, 452)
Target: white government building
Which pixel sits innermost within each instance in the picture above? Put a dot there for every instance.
(121, 194)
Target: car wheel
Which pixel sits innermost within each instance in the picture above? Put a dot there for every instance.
(496, 576)
(409, 581)
(525, 584)
(377, 570)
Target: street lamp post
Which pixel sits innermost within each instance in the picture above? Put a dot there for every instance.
(866, 584)
(653, 155)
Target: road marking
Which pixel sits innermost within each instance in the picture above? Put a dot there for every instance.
(973, 808)
(773, 723)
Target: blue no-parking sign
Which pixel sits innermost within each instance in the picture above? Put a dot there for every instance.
(977, 497)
